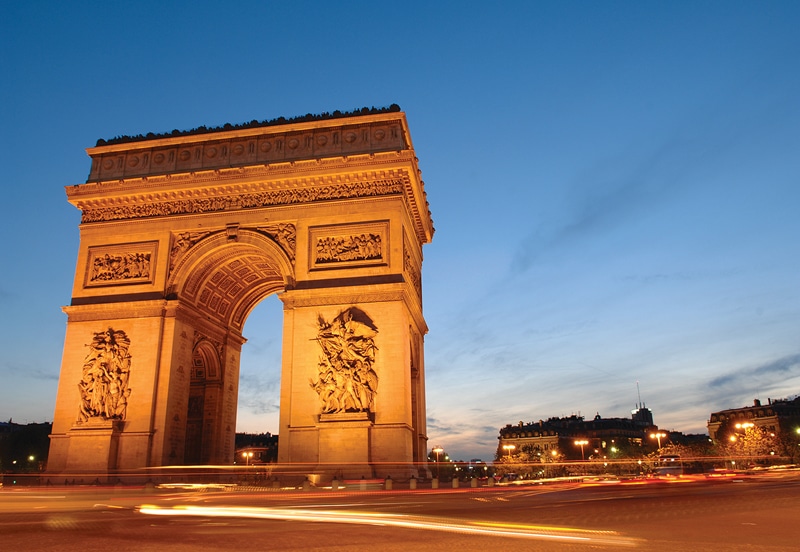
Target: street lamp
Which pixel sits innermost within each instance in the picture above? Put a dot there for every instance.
(509, 448)
(437, 450)
(582, 443)
(658, 435)
(247, 456)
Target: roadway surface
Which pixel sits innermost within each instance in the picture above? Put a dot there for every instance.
(752, 513)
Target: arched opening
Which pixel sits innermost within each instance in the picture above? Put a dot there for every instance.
(204, 395)
(260, 369)
(223, 282)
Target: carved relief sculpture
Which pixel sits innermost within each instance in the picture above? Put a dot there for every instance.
(181, 243)
(129, 263)
(362, 247)
(104, 388)
(125, 266)
(347, 381)
(284, 235)
(411, 269)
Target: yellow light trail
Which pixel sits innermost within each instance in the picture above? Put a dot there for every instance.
(566, 534)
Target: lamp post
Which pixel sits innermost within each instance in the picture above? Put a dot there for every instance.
(658, 435)
(437, 450)
(582, 443)
(247, 456)
(747, 443)
(509, 448)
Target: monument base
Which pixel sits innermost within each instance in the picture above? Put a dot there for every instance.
(93, 447)
(344, 444)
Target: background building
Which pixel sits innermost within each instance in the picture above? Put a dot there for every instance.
(574, 437)
(256, 448)
(777, 416)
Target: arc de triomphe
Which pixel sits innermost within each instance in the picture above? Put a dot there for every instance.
(182, 235)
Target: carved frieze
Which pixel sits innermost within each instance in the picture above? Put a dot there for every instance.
(147, 208)
(103, 387)
(121, 264)
(349, 245)
(347, 381)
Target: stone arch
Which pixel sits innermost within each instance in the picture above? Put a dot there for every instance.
(183, 235)
(227, 277)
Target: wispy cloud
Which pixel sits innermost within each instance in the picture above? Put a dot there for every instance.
(259, 395)
(601, 203)
(749, 379)
(9, 368)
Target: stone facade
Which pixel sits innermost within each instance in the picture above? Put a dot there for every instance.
(181, 237)
(775, 416)
(560, 434)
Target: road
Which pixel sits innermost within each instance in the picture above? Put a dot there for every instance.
(754, 513)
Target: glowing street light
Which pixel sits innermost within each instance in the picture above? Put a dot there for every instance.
(582, 443)
(509, 448)
(437, 450)
(658, 435)
(247, 456)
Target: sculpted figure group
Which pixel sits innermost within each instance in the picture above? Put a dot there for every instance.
(120, 267)
(351, 248)
(104, 386)
(347, 381)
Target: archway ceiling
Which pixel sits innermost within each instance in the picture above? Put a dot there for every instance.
(233, 282)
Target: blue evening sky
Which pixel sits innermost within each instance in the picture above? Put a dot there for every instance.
(615, 186)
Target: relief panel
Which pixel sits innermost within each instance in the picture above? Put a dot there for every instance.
(130, 263)
(349, 245)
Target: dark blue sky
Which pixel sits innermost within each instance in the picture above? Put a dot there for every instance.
(615, 186)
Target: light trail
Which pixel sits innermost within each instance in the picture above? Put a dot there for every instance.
(486, 528)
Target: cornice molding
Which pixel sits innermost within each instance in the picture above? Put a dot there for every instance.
(118, 311)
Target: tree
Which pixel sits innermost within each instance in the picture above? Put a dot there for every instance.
(752, 444)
